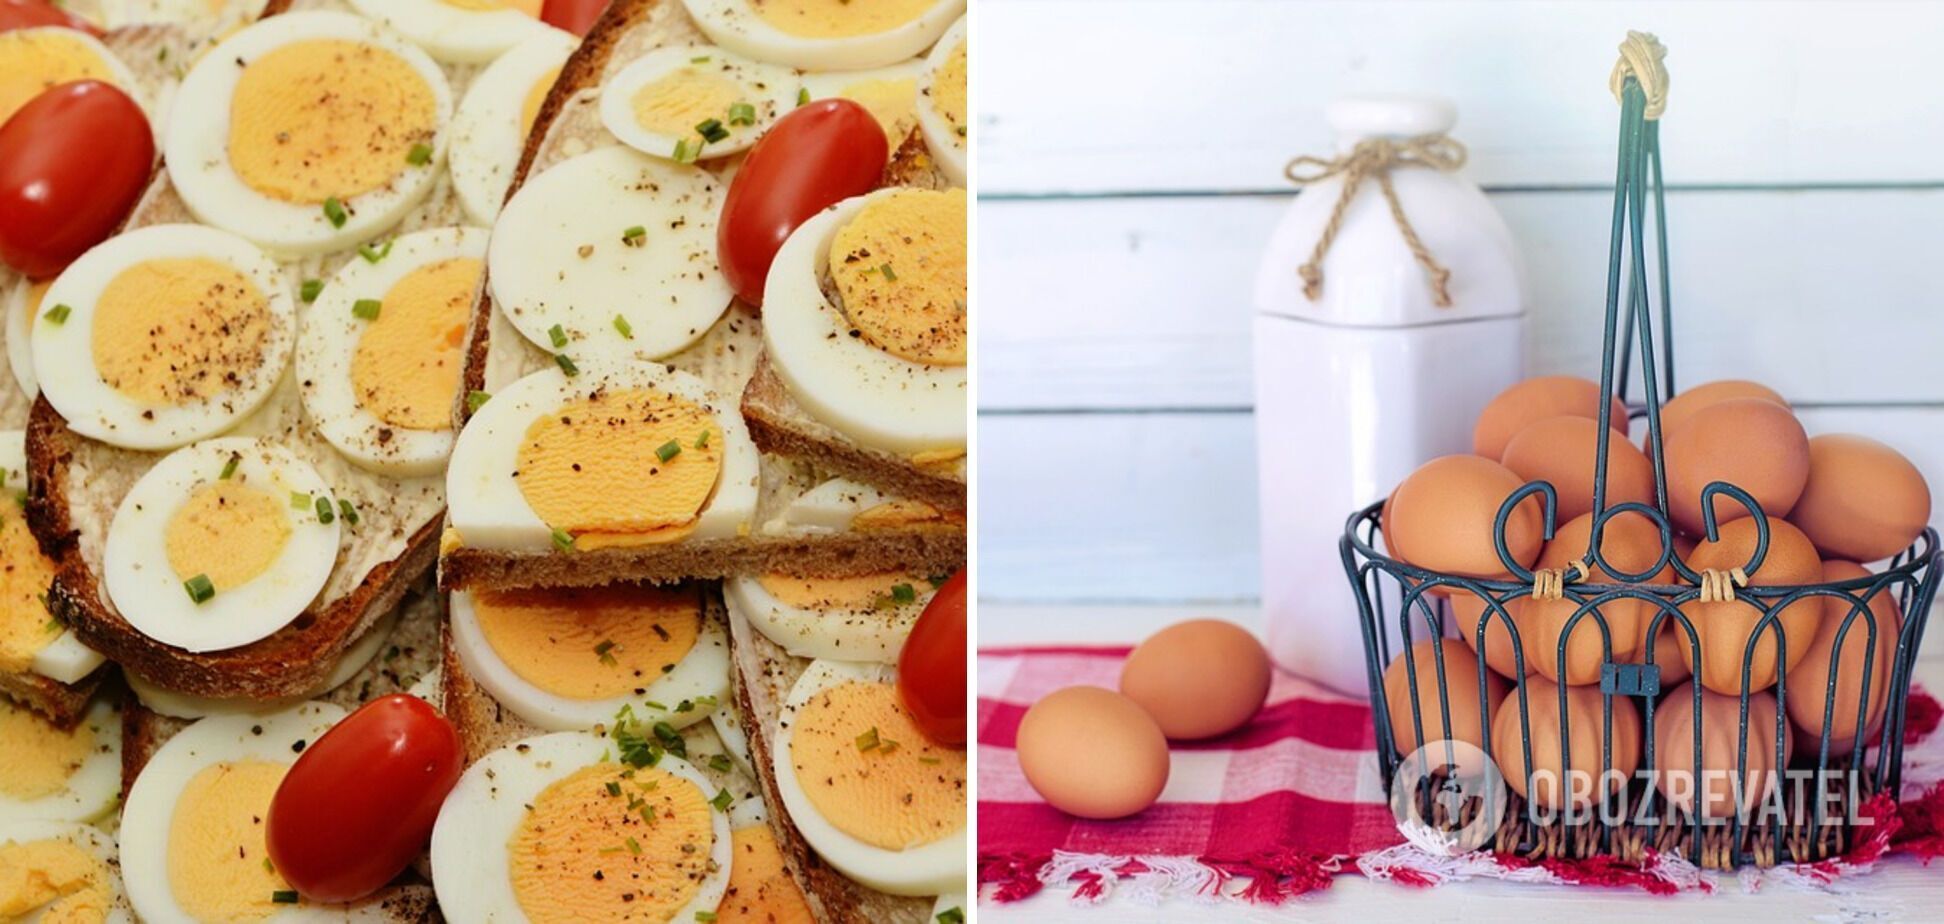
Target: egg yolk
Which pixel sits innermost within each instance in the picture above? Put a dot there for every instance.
(535, 98)
(52, 882)
(174, 330)
(228, 532)
(761, 890)
(839, 18)
(585, 853)
(675, 104)
(897, 514)
(837, 593)
(35, 60)
(871, 772)
(327, 118)
(892, 102)
(405, 370)
(529, 7)
(39, 757)
(590, 643)
(595, 467)
(899, 268)
(26, 627)
(216, 853)
(948, 90)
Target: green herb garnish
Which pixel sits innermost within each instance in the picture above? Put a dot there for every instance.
(868, 740)
(562, 540)
(367, 308)
(668, 450)
(284, 897)
(742, 114)
(722, 800)
(621, 324)
(229, 468)
(566, 365)
(348, 512)
(374, 254)
(324, 512)
(419, 155)
(711, 130)
(310, 289)
(57, 314)
(200, 588)
(334, 212)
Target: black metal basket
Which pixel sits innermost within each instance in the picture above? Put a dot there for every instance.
(1822, 799)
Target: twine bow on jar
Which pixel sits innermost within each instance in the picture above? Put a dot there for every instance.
(1375, 157)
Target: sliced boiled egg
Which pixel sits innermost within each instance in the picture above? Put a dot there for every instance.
(51, 773)
(890, 93)
(23, 303)
(825, 34)
(883, 358)
(38, 59)
(847, 618)
(554, 830)
(459, 31)
(615, 454)
(611, 254)
(221, 544)
(211, 17)
(383, 343)
(760, 885)
(695, 102)
(30, 638)
(870, 793)
(570, 658)
(840, 504)
(727, 722)
(942, 112)
(489, 131)
(308, 132)
(188, 706)
(52, 871)
(163, 336)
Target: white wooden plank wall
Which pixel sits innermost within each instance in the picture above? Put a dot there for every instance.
(1129, 180)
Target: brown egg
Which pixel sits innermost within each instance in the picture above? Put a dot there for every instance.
(1467, 610)
(1561, 450)
(1468, 715)
(1674, 734)
(1586, 721)
(1630, 542)
(1093, 753)
(1753, 444)
(1384, 524)
(1725, 628)
(1809, 679)
(1863, 501)
(1682, 406)
(1199, 678)
(1667, 646)
(1445, 510)
(1536, 399)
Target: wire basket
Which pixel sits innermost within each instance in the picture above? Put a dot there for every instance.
(1788, 795)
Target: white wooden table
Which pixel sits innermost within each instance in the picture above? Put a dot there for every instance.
(1901, 889)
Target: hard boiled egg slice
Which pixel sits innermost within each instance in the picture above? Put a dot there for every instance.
(840, 504)
(553, 830)
(695, 102)
(616, 454)
(825, 34)
(61, 871)
(885, 362)
(850, 618)
(38, 59)
(210, 17)
(380, 357)
(23, 303)
(611, 254)
(59, 774)
(163, 336)
(872, 796)
(308, 132)
(30, 638)
(187, 706)
(942, 111)
(570, 658)
(760, 885)
(490, 129)
(460, 31)
(728, 726)
(221, 544)
(890, 93)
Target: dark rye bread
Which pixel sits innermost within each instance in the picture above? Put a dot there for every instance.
(61, 703)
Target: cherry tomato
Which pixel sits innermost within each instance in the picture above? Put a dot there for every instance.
(358, 806)
(815, 157)
(72, 163)
(576, 16)
(931, 669)
(26, 14)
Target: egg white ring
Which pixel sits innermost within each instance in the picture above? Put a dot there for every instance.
(485, 501)
(197, 147)
(777, 96)
(93, 841)
(453, 34)
(64, 358)
(948, 147)
(670, 289)
(484, 811)
(150, 595)
(928, 869)
(838, 635)
(827, 508)
(121, 76)
(329, 343)
(734, 25)
(727, 722)
(703, 671)
(832, 84)
(486, 138)
(151, 808)
(876, 398)
(65, 659)
(163, 701)
(20, 353)
(89, 793)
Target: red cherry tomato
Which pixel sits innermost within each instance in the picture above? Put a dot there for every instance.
(931, 669)
(359, 805)
(576, 16)
(815, 157)
(26, 14)
(72, 163)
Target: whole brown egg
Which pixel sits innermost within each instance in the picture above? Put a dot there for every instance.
(1753, 444)
(1719, 725)
(1562, 450)
(1536, 399)
(1863, 501)
(1809, 686)
(1198, 679)
(1412, 729)
(1092, 752)
(1630, 542)
(1682, 406)
(1444, 515)
(1725, 627)
(1581, 735)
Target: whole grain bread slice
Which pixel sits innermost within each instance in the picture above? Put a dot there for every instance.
(62, 703)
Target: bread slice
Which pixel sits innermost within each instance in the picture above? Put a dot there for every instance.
(61, 703)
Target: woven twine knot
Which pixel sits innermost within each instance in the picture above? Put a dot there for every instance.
(1550, 583)
(1640, 58)
(1375, 157)
(1718, 586)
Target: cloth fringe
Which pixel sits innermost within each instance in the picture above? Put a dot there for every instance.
(1268, 879)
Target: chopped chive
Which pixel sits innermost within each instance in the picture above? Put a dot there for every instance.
(803, 95)
(229, 468)
(605, 650)
(566, 365)
(613, 788)
(904, 593)
(668, 450)
(334, 211)
(162, 54)
(310, 290)
(558, 335)
(706, 702)
(634, 846)
(284, 897)
(374, 254)
(57, 314)
(367, 308)
(654, 705)
(888, 275)
(742, 114)
(952, 915)
(686, 705)
(324, 512)
(711, 130)
(929, 760)
(562, 540)
(634, 236)
(705, 916)
(268, 866)
(868, 740)
(704, 59)
(938, 580)
(719, 763)
(419, 155)
(702, 442)
(722, 800)
(682, 152)
(476, 400)
(886, 746)
(200, 589)
(621, 324)
(299, 500)
(348, 512)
